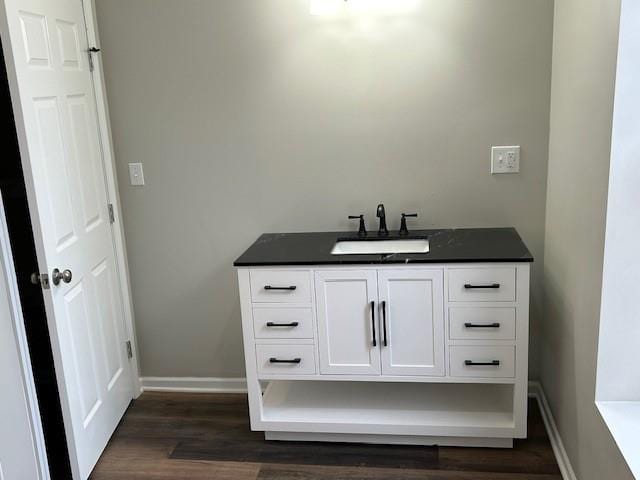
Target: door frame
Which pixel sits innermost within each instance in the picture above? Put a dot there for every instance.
(109, 168)
(7, 270)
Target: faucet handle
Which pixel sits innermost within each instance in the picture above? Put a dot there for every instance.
(403, 223)
(362, 231)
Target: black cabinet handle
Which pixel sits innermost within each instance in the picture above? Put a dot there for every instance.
(269, 287)
(274, 324)
(384, 323)
(492, 363)
(482, 325)
(486, 286)
(373, 323)
(277, 360)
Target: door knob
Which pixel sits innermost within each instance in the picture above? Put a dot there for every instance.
(57, 275)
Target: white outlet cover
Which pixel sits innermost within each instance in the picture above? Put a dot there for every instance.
(505, 159)
(136, 174)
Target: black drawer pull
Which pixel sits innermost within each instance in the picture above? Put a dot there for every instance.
(384, 323)
(277, 360)
(492, 363)
(274, 324)
(482, 325)
(373, 324)
(269, 287)
(470, 286)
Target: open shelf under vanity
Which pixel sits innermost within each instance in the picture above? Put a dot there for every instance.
(410, 410)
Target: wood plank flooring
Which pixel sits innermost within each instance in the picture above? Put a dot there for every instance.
(206, 436)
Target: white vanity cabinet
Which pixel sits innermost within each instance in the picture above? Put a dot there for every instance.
(410, 353)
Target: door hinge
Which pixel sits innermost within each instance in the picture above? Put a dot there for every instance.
(112, 215)
(129, 350)
(90, 52)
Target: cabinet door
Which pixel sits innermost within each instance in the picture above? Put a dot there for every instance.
(412, 316)
(348, 333)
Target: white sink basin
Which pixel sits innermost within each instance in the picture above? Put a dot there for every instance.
(374, 247)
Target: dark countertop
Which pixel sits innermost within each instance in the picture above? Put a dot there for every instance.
(445, 246)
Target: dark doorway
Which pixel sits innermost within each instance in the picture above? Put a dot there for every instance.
(14, 195)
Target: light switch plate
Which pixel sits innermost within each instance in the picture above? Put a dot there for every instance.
(505, 159)
(136, 175)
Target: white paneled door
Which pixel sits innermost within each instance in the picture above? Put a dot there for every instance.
(412, 316)
(55, 108)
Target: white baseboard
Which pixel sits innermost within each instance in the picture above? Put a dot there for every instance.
(536, 391)
(239, 385)
(194, 384)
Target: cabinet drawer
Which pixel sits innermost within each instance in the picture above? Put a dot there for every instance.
(482, 323)
(482, 284)
(289, 286)
(286, 359)
(469, 361)
(282, 323)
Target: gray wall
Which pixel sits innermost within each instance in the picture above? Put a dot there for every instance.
(584, 59)
(253, 116)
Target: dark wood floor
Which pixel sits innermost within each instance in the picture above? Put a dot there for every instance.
(206, 436)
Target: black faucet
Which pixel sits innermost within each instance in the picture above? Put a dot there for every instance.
(382, 231)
